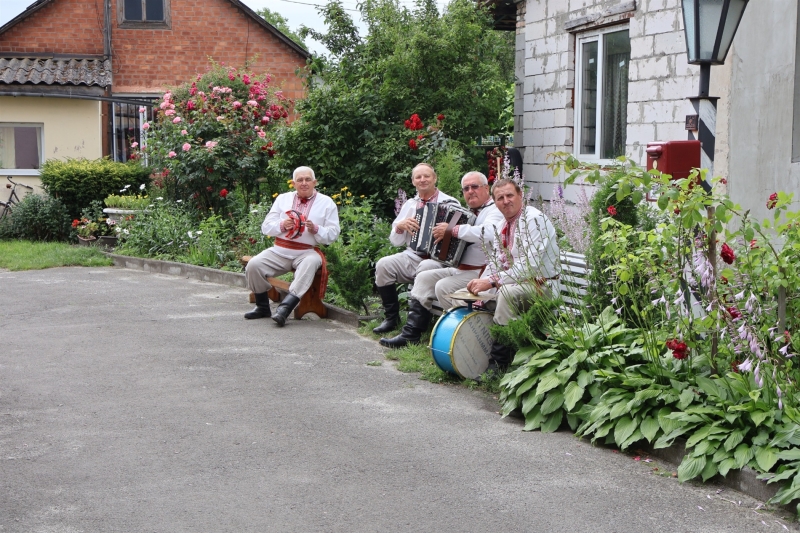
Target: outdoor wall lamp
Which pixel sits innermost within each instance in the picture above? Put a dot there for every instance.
(709, 26)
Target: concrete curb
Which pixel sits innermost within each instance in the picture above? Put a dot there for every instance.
(743, 480)
(212, 275)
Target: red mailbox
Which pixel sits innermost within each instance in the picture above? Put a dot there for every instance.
(676, 158)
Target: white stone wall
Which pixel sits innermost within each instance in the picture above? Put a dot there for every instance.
(660, 79)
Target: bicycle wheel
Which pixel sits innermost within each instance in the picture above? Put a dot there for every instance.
(5, 209)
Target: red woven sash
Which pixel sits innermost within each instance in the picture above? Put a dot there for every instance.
(323, 277)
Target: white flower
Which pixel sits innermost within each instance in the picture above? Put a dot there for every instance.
(199, 232)
(160, 198)
(189, 233)
(178, 201)
(142, 187)
(127, 187)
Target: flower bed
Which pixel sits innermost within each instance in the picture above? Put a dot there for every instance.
(696, 342)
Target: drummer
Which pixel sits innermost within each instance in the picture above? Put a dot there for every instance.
(434, 280)
(402, 267)
(526, 263)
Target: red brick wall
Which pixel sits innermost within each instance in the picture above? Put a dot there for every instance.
(63, 26)
(149, 61)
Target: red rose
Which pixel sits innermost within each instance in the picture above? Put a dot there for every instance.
(223, 193)
(413, 144)
(727, 254)
(190, 105)
(439, 117)
(75, 223)
(612, 210)
(734, 312)
(773, 200)
(420, 137)
(678, 348)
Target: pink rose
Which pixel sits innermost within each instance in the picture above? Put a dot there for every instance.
(169, 112)
(211, 144)
(262, 134)
(176, 120)
(142, 109)
(184, 132)
(237, 104)
(186, 147)
(134, 144)
(146, 126)
(172, 154)
(252, 103)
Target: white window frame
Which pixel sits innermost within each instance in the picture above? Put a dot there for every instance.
(26, 171)
(580, 40)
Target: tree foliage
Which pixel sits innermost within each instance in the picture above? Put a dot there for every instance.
(410, 61)
(282, 24)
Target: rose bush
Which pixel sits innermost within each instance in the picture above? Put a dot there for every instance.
(214, 135)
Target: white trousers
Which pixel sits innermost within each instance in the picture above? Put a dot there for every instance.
(396, 268)
(268, 264)
(514, 299)
(438, 282)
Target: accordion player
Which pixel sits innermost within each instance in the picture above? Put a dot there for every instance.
(449, 250)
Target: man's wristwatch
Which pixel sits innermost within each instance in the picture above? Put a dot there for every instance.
(494, 284)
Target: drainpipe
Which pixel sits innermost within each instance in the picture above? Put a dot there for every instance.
(107, 51)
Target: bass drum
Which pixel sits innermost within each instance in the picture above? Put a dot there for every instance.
(461, 342)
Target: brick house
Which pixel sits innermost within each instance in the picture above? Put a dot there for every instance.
(602, 78)
(92, 63)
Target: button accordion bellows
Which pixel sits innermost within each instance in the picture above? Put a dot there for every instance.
(449, 250)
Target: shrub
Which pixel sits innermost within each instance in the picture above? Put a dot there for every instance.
(163, 231)
(213, 135)
(77, 182)
(37, 218)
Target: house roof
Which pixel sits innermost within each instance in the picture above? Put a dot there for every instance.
(55, 71)
(38, 4)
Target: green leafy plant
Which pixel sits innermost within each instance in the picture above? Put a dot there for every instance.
(37, 218)
(77, 182)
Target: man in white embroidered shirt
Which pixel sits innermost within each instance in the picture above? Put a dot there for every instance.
(300, 221)
(526, 263)
(402, 267)
(435, 281)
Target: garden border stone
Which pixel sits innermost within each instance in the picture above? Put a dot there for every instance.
(744, 480)
(213, 275)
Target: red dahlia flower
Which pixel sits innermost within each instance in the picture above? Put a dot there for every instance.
(727, 254)
(223, 193)
(678, 348)
(773, 200)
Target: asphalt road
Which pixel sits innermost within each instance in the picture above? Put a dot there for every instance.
(138, 402)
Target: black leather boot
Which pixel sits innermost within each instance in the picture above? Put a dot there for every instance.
(500, 358)
(418, 321)
(261, 310)
(391, 309)
(287, 306)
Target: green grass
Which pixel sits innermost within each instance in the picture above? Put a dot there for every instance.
(417, 358)
(27, 255)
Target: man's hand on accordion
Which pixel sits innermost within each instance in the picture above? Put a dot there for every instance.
(409, 225)
(439, 231)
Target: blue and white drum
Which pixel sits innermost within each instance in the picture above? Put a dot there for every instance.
(461, 342)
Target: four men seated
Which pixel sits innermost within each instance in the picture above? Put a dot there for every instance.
(511, 258)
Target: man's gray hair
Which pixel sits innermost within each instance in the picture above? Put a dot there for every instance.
(304, 169)
(473, 173)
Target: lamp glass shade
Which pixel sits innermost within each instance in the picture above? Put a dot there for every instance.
(709, 26)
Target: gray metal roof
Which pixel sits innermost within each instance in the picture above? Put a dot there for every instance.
(55, 71)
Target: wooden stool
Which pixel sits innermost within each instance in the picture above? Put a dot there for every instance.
(310, 301)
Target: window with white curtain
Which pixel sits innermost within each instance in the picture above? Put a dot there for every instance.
(20, 146)
(602, 60)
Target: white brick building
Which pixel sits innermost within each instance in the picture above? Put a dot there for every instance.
(602, 78)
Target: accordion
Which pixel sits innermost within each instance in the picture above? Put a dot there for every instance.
(449, 250)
